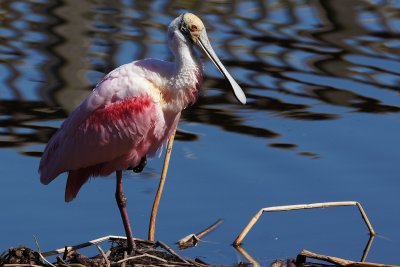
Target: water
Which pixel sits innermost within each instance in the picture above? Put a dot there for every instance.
(321, 124)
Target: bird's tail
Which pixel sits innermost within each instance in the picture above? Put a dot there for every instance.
(75, 181)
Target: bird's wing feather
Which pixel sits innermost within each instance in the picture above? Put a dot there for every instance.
(112, 120)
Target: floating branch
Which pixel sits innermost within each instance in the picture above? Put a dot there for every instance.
(335, 260)
(255, 218)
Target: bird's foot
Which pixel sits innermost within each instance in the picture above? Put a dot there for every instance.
(140, 166)
(131, 247)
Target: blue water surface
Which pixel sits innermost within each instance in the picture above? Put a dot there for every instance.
(321, 124)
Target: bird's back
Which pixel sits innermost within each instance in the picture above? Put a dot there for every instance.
(121, 121)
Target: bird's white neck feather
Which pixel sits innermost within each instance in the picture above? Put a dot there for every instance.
(187, 77)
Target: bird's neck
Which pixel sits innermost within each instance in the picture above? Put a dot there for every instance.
(186, 80)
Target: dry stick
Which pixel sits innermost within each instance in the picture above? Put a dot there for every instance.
(65, 254)
(170, 250)
(40, 253)
(253, 220)
(209, 229)
(108, 253)
(335, 260)
(125, 256)
(157, 198)
(142, 256)
(308, 254)
(198, 264)
(103, 254)
(115, 237)
(60, 261)
(83, 245)
(76, 247)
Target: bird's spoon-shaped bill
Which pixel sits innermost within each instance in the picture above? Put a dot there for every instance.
(204, 44)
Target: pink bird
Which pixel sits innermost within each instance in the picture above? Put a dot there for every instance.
(130, 115)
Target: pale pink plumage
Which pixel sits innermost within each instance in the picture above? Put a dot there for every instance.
(132, 111)
(129, 114)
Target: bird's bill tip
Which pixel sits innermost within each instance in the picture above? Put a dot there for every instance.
(239, 94)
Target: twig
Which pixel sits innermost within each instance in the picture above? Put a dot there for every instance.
(178, 263)
(255, 218)
(156, 258)
(366, 220)
(198, 264)
(108, 253)
(103, 254)
(83, 245)
(153, 216)
(20, 265)
(40, 253)
(114, 238)
(209, 229)
(60, 260)
(65, 254)
(125, 256)
(166, 247)
(339, 261)
(142, 256)
(308, 254)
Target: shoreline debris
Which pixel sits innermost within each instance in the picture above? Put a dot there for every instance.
(147, 253)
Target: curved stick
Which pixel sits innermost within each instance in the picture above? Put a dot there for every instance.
(157, 198)
(250, 224)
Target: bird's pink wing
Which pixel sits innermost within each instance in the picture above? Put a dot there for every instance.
(105, 128)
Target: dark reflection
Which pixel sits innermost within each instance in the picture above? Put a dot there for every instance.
(19, 122)
(289, 58)
(350, 99)
(309, 154)
(283, 145)
(226, 120)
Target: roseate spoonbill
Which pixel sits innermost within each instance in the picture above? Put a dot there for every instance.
(130, 114)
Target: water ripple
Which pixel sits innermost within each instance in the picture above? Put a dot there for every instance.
(290, 57)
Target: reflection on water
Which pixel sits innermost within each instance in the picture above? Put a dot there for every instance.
(292, 57)
(304, 64)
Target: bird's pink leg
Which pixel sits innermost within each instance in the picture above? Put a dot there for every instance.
(121, 201)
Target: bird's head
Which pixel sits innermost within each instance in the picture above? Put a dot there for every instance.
(188, 29)
(191, 26)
